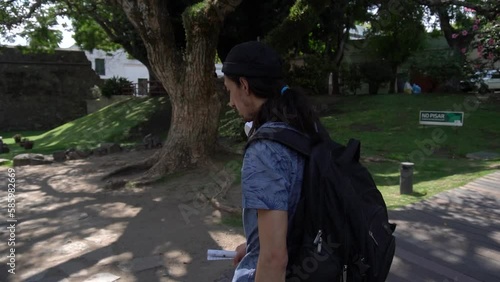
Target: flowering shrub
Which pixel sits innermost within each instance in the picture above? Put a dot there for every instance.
(486, 41)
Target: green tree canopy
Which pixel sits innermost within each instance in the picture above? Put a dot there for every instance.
(395, 34)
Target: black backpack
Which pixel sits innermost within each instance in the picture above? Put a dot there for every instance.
(340, 230)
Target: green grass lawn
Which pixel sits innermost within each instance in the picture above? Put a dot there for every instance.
(387, 126)
(110, 124)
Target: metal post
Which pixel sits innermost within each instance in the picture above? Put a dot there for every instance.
(330, 83)
(406, 178)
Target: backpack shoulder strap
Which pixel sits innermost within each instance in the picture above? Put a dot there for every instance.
(284, 136)
(351, 153)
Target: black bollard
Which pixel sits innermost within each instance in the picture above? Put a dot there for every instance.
(406, 178)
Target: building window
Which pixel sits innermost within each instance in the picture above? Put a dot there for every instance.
(100, 67)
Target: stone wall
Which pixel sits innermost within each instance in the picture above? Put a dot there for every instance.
(43, 91)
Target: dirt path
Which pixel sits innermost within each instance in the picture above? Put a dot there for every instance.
(71, 229)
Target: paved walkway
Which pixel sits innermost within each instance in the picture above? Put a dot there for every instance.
(71, 230)
(453, 236)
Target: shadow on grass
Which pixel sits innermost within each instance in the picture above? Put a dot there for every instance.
(125, 121)
(111, 124)
(433, 176)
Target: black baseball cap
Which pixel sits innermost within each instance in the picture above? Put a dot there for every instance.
(253, 59)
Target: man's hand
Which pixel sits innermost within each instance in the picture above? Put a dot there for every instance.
(241, 251)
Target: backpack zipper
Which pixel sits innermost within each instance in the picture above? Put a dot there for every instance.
(370, 227)
(371, 235)
(344, 273)
(318, 241)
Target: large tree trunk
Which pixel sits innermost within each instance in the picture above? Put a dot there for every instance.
(195, 108)
(193, 133)
(335, 82)
(187, 76)
(337, 56)
(392, 84)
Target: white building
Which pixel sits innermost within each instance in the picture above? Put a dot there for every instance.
(117, 63)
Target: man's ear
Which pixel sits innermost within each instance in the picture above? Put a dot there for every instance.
(244, 85)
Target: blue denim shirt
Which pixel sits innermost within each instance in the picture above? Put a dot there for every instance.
(271, 179)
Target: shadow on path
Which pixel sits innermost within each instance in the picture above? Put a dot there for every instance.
(453, 236)
(70, 229)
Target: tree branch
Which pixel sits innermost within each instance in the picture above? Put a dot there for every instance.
(490, 10)
(153, 23)
(116, 32)
(108, 26)
(151, 18)
(224, 7)
(449, 30)
(20, 18)
(302, 18)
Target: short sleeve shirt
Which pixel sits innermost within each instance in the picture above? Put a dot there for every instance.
(271, 179)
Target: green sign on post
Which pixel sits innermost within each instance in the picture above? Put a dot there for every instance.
(441, 118)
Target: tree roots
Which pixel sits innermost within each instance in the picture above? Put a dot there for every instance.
(220, 207)
(143, 166)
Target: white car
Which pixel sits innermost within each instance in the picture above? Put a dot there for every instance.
(491, 81)
(483, 82)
